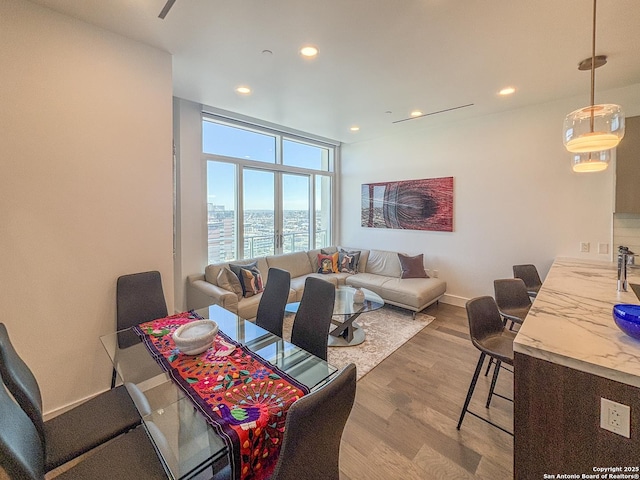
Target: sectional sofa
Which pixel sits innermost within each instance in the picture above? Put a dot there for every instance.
(377, 270)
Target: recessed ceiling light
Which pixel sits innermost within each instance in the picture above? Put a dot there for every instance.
(507, 91)
(355, 128)
(309, 51)
(243, 90)
(416, 113)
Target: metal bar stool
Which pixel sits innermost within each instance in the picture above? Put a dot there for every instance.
(488, 334)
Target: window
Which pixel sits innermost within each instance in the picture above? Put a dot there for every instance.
(268, 192)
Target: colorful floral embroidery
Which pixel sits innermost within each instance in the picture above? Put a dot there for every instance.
(241, 394)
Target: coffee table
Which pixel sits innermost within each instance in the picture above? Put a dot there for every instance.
(347, 332)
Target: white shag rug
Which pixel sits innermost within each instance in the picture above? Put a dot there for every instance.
(386, 330)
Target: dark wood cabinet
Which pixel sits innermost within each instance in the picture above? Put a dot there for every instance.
(628, 169)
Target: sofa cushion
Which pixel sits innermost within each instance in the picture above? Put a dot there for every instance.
(211, 272)
(385, 263)
(348, 261)
(296, 263)
(328, 263)
(412, 267)
(414, 292)
(251, 281)
(229, 281)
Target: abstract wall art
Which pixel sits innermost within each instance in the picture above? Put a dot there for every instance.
(425, 204)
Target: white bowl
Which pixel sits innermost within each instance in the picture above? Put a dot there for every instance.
(195, 337)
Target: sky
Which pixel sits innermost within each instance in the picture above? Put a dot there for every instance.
(259, 184)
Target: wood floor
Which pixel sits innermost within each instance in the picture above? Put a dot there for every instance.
(403, 424)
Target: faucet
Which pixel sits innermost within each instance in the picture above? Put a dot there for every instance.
(624, 255)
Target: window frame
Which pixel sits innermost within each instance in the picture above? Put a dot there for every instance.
(279, 169)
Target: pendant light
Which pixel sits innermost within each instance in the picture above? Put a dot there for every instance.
(591, 130)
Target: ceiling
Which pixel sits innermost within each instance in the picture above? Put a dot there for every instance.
(379, 59)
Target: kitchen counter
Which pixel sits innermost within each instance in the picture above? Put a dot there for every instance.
(571, 322)
(569, 355)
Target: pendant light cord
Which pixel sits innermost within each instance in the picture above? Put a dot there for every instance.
(593, 65)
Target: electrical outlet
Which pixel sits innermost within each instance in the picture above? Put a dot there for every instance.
(584, 247)
(615, 417)
(603, 248)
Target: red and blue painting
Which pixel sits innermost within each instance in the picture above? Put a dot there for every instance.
(425, 204)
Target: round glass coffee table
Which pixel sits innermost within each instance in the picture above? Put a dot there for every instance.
(347, 332)
(345, 312)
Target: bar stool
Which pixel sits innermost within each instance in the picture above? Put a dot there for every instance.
(512, 299)
(488, 334)
(529, 274)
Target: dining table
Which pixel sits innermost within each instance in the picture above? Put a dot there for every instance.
(185, 430)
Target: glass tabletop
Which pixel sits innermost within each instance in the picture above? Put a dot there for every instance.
(345, 305)
(187, 443)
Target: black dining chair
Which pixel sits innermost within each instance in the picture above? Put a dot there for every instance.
(313, 431)
(312, 321)
(529, 275)
(75, 431)
(488, 334)
(129, 456)
(270, 314)
(139, 298)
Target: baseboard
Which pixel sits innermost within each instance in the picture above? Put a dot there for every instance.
(454, 300)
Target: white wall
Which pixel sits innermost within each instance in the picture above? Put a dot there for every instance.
(191, 214)
(516, 199)
(85, 188)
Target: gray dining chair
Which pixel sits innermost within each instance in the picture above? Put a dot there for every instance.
(313, 430)
(270, 314)
(139, 298)
(312, 321)
(22, 456)
(488, 334)
(75, 431)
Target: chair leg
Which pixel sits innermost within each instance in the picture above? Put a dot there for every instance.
(489, 366)
(472, 387)
(496, 370)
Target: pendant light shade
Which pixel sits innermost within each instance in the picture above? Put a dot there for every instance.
(591, 132)
(591, 161)
(594, 128)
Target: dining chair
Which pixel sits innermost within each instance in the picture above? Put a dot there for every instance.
(75, 431)
(489, 335)
(139, 298)
(129, 456)
(312, 321)
(529, 275)
(270, 314)
(313, 430)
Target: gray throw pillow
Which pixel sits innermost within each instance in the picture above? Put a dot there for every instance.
(229, 281)
(348, 261)
(412, 267)
(237, 269)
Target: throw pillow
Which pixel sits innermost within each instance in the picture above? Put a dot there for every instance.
(252, 281)
(328, 263)
(348, 261)
(229, 281)
(235, 268)
(412, 267)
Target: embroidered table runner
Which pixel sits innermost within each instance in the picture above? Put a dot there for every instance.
(241, 395)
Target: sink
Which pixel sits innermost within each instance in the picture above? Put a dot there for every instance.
(636, 289)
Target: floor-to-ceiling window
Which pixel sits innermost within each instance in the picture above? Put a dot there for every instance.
(268, 192)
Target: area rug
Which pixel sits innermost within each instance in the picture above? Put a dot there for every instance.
(386, 330)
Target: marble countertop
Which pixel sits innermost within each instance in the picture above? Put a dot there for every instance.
(571, 322)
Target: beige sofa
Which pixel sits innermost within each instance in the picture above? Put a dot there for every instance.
(378, 271)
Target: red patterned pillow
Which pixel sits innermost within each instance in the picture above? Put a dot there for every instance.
(328, 263)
